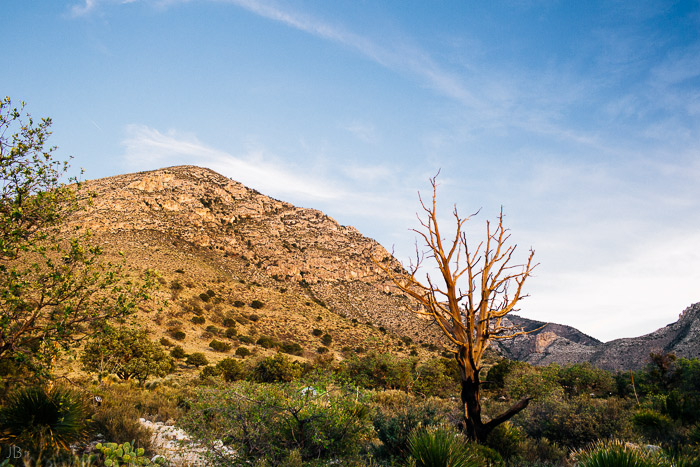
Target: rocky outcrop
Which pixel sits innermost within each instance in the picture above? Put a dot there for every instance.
(555, 343)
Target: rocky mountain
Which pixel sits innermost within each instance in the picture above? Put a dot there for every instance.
(207, 234)
(555, 343)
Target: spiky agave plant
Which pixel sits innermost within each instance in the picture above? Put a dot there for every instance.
(441, 446)
(616, 453)
(43, 422)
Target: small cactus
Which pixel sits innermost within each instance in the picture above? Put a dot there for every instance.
(116, 455)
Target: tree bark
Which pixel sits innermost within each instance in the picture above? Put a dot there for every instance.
(474, 428)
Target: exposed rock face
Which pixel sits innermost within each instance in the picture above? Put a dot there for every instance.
(564, 345)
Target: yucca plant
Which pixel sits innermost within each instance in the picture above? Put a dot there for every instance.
(43, 422)
(616, 453)
(440, 446)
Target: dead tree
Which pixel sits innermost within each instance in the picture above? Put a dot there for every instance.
(475, 290)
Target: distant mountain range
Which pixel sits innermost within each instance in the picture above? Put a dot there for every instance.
(199, 228)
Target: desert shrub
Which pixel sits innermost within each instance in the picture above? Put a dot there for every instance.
(231, 332)
(256, 304)
(198, 319)
(210, 293)
(319, 421)
(126, 352)
(220, 346)
(118, 419)
(436, 377)
(577, 421)
(242, 320)
(246, 339)
(266, 342)
(583, 378)
(204, 297)
(254, 318)
(213, 330)
(178, 352)
(242, 352)
(209, 371)
(292, 348)
(231, 369)
(442, 446)
(238, 304)
(279, 368)
(229, 323)
(379, 371)
(327, 339)
(43, 422)
(165, 342)
(654, 426)
(317, 332)
(197, 359)
(175, 285)
(394, 424)
(322, 350)
(178, 334)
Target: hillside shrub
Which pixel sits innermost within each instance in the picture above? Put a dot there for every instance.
(204, 297)
(220, 346)
(209, 371)
(178, 352)
(379, 371)
(213, 330)
(238, 304)
(126, 352)
(231, 332)
(198, 319)
(256, 304)
(613, 453)
(322, 350)
(229, 323)
(197, 359)
(292, 348)
(246, 339)
(267, 342)
(242, 352)
(317, 332)
(327, 339)
(231, 369)
(178, 334)
(279, 368)
(165, 342)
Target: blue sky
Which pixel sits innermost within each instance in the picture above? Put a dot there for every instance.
(581, 118)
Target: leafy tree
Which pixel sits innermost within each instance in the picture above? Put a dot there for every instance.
(52, 283)
(469, 318)
(126, 352)
(279, 368)
(197, 359)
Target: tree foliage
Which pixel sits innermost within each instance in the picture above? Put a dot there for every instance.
(53, 283)
(126, 352)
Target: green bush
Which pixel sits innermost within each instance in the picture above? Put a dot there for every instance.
(229, 323)
(165, 342)
(197, 359)
(393, 425)
(126, 352)
(114, 454)
(256, 304)
(323, 423)
(246, 339)
(213, 330)
(209, 371)
(654, 426)
(231, 332)
(239, 304)
(198, 319)
(277, 369)
(43, 422)
(220, 346)
(178, 334)
(178, 352)
(317, 332)
(242, 352)
(379, 371)
(204, 297)
(327, 339)
(254, 318)
(267, 342)
(292, 348)
(231, 369)
(614, 453)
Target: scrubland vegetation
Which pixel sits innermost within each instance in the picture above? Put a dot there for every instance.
(372, 409)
